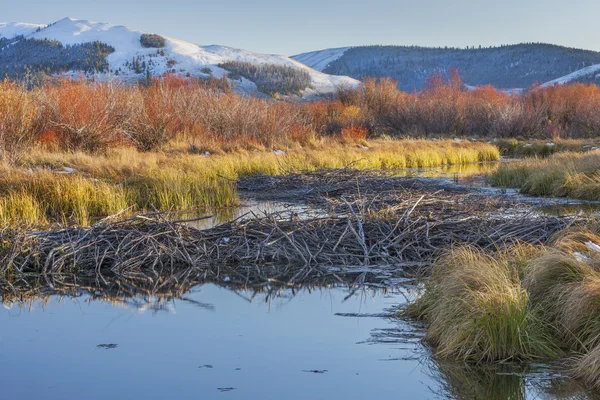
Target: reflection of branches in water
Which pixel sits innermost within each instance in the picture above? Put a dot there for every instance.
(478, 381)
(141, 296)
(484, 381)
(564, 388)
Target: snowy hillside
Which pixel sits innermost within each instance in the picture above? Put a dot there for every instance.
(584, 75)
(506, 67)
(131, 61)
(320, 59)
(11, 29)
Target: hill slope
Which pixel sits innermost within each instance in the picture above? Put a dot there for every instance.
(589, 74)
(121, 54)
(9, 30)
(506, 67)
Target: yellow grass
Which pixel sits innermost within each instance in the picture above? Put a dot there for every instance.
(568, 174)
(38, 190)
(518, 304)
(477, 310)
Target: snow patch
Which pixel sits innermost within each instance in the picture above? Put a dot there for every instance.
(320, 59)
(581, 73)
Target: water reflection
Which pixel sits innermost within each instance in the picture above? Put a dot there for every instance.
(259, 343)
(468, 174)
(249, 209)
(504, 381)
(560, 210)
(248, 342)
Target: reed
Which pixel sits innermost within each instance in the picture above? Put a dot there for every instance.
(562, 175)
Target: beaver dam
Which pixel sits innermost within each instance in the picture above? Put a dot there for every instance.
(372, 229)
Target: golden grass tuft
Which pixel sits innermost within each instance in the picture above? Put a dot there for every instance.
(477, 310)
(562, 175)
(565, 283)
(523, 303)
(587, 368)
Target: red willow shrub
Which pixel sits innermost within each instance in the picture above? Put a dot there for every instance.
(93, 117)
(84, 116)
(446, 107)
(21, 120)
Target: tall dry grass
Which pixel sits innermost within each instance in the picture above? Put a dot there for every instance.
(562, 175)
(522, 303)
(41, 190)
(477, 310)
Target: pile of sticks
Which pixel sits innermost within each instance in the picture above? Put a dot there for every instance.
(358, 244)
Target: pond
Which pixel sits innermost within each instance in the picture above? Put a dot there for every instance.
(214, 343)
(470, 178)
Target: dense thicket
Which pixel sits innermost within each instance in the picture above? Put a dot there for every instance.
(96, 116)
(270, 78)
(445, 107)
(23, 56)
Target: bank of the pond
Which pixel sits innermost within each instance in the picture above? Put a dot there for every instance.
(522, 148)
(520, 304)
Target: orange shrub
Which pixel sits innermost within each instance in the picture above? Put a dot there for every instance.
(86, 117)
(96, 116)
(21, 119)
(354, 134)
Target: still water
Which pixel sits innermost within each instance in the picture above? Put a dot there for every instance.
(215, 343)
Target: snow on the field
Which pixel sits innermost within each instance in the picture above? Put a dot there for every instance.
(511, 92)
(188, 57)
(581, 73)
(12, 29)
(319, 60)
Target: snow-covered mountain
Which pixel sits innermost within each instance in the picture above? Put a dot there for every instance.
(506, 67)
(121, 55)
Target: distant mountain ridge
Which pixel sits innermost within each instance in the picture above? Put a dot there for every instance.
(506, 67)
(70, 47)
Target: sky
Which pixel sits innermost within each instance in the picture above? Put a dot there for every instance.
(290, 27)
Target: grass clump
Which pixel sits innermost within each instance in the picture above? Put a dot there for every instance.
(565, 282)
(477, 310)
(520, 148)
(519, 304)
(45, 197)
(562, 175)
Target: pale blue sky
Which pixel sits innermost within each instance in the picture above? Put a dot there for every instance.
(290, 27)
